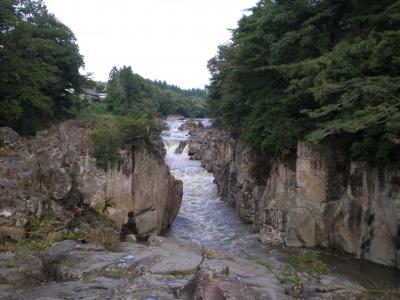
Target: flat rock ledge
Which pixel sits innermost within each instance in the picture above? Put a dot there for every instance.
(164, 268)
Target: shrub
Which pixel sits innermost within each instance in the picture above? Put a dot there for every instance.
(41, 236)
(48, 267)
(304, 266)
(74, 174)
(105, 147)
(107, 237)
(138, 129)
(133, 130)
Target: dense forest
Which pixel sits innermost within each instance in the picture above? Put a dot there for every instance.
(40, 82)
(323, 71)
(129, 92)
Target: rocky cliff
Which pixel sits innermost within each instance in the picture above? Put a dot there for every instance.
(318, 198)
(53, 174)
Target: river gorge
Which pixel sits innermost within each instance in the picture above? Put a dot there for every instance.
(206, 219)
(153, 226)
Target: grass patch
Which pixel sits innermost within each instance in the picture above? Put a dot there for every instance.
(41, 235)
(180, 274)
(304, 267)
(263, 263)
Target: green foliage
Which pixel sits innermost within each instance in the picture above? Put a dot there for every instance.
(90, 111)
(138, 130)
(129, 93)
(42, 240)
(303, 267)
(105, 147)
(114, 133)
(74, 174)
(312, 70)
(39, 67)
(42, 234)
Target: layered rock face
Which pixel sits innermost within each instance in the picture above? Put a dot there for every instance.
(53, 173)
(319, 198)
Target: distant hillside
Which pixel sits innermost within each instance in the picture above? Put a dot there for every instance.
(129, 93)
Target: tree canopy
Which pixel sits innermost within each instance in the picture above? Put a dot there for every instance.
(317, 70)
(39, 66)
(129, 93)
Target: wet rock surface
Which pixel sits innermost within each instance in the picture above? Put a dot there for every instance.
(163, 269)
(180, 147)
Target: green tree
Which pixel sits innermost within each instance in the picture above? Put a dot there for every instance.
(129, 93)
(323, 71)
(39, 66)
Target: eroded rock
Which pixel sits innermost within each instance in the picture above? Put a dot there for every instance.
(318, 198)
(172, 269)
(53, 174)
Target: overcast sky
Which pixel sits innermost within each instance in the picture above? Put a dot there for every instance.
(168, 40)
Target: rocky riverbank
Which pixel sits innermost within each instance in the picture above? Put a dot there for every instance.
(53, 175)
(318, 198)
(68, 216)
(162, 269)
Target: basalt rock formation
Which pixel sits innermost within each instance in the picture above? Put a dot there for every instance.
(318, 198)
(53, 174)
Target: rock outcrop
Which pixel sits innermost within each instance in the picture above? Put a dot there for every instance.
(53, 173)
(162, 269)
(319, 198)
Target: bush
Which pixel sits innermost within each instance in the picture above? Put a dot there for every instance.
(41, 235)
(138, 130)
(107, 237)
(48, 267)
(105, 147)
(133, 130)
(304, 266)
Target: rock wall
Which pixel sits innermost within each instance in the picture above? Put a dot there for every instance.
(53, 173)
(319, 198)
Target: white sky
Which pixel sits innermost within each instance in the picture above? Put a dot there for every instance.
(168, 40)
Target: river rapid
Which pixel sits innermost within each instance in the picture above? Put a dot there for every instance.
(206, 219)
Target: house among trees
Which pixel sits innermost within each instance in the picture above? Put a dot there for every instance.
(102, 96)
(90, 94)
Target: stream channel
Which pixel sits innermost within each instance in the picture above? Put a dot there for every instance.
(205, 219)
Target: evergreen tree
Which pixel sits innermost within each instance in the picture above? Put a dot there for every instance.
(321, 71)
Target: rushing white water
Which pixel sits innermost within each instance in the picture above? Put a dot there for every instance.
(206, 219)
(203, 217)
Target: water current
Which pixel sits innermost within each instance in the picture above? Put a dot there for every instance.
(206, 219)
